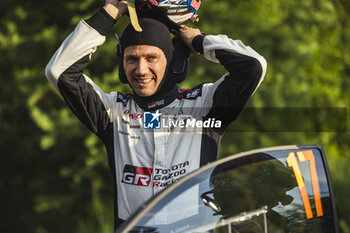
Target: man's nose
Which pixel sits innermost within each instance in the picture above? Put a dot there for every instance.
(142, 67)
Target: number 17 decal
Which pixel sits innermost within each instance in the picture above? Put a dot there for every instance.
(292, 162)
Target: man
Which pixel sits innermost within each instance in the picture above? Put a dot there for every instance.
(143, 162)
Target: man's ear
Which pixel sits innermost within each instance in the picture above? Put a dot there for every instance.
(180, 59)
(122, 75)
(119, 55)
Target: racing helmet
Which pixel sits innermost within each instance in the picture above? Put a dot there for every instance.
(178, 11)
(174, 13)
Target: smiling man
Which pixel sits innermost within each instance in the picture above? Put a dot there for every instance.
(147, 56)
(145, 67)
(145, 161)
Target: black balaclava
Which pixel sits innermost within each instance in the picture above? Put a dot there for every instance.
(156, 34)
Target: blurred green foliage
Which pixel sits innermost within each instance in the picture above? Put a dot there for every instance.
(54, 172)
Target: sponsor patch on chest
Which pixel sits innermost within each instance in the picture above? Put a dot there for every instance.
(158, 177)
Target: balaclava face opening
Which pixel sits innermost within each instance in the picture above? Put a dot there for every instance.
(156, 34)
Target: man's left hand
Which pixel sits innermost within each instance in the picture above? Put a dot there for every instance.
(187, 34)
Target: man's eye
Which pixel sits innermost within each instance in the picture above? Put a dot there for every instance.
(152, 58)
(131, 59)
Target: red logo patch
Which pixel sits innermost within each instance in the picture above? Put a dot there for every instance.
(140, 176)
(196, 4)
(133, 115)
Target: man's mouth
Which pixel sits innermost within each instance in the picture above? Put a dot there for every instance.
(144, 80)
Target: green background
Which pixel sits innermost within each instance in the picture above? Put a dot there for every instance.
(54, 174)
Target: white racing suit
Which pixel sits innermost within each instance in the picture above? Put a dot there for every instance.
(145, 161)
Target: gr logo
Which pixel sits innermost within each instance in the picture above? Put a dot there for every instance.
(140, 176)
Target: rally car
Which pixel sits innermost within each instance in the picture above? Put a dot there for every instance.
(280, 189)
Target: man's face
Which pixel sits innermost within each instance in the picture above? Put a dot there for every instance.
(144, 67)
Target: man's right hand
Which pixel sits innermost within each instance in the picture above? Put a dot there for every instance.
(116, 8)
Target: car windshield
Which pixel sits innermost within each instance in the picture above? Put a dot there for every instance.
(270, 191)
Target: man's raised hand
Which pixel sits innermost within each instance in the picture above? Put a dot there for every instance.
(187, 34)
(116, 8)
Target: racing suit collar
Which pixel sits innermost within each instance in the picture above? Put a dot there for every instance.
(151, 103)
